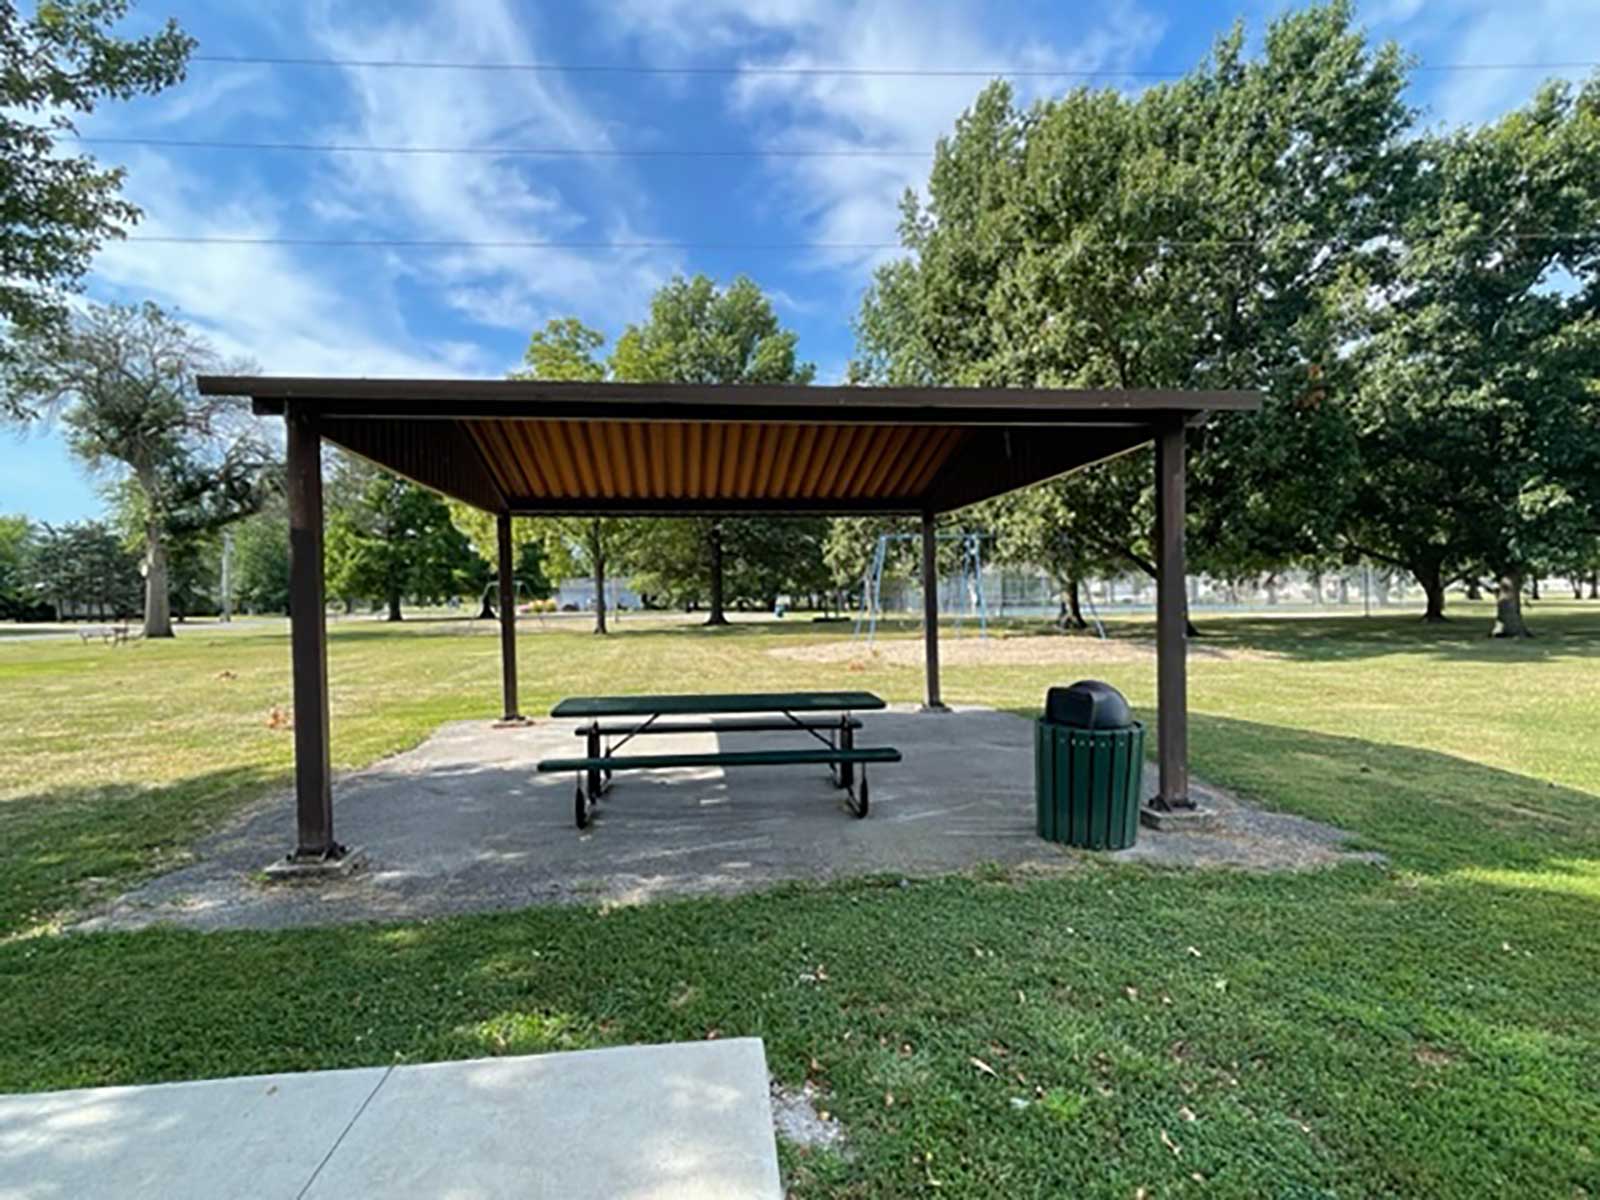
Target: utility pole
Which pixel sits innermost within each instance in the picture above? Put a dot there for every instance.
(227, 575)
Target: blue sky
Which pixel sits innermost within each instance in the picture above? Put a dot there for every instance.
(468, 311)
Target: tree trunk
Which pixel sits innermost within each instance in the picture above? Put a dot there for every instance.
(1594, 586)
(1533, 588)
(1577, 587)
(1508, 621)
(394, 604)
(1433, 584)
(597, 554)
(1069, 612)
(714, 548)
(1076, 605)
(1474, 588)
(157, 601)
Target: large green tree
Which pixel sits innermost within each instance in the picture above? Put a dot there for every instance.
(261, 559)
(1478, 408)
(1190, 236)
(82, 569)
(16, 537)
(699, 333)
(122, 379)
(696, 333)
(390, 539)
(58, 208)
(565, 350)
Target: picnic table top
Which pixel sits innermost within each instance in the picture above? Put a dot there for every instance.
(735, 702)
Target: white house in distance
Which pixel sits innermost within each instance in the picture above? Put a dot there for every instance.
(578, 594)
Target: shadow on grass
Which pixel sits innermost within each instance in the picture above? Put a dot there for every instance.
(1572, 631)
(1559, 634)
(64, 849)
(1428, 811)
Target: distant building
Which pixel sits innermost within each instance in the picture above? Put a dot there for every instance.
(579, 594)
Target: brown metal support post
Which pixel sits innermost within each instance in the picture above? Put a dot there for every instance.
(308, 639)
(508, 619)
(1172, 699)
(930, 613)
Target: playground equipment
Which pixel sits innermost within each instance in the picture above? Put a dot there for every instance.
(486, 611)
(971, 580)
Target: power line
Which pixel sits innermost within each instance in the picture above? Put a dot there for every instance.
(496, 244)
(802, 72)
(648, 244)
(496, 151)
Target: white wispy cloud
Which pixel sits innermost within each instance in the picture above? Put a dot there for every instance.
(1487, 31)
(855, 200)
(483, 198)
(266, 303)
(361, 310)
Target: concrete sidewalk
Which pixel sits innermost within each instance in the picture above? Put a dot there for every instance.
(685, 1121)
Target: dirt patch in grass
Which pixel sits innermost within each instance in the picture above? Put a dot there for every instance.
(1003, 651)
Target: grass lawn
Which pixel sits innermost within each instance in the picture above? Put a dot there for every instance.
(1432, 1029)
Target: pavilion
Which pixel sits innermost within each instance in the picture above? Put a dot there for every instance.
(534, 448)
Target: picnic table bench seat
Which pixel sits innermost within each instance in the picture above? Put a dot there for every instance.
(724, 758)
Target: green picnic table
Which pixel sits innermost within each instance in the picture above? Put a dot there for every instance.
(826, 717)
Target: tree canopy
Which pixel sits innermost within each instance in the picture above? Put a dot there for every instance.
(1477, 410)
(57, 209)
(1276, 222)
(390, 539)
(122, 379)
(696, 333)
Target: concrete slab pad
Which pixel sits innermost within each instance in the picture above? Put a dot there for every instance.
(219, 1139)
(689, 1121)
(463, 823)
(675, 1122)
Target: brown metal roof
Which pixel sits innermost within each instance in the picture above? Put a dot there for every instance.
(538, 447)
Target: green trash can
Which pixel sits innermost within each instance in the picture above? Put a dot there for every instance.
(1088, 768)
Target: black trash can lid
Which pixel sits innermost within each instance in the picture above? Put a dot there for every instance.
(1088, 704)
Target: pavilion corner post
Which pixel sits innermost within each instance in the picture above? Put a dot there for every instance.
(308, 639)
(1172, 698)
(930, 614)
(508, 618)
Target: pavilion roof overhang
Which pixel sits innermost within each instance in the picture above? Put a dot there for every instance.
(535, 447)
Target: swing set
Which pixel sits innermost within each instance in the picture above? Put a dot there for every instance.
(971, 581)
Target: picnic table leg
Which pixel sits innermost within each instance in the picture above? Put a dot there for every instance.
(582, 805)
(593, 743)
(847, 741)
